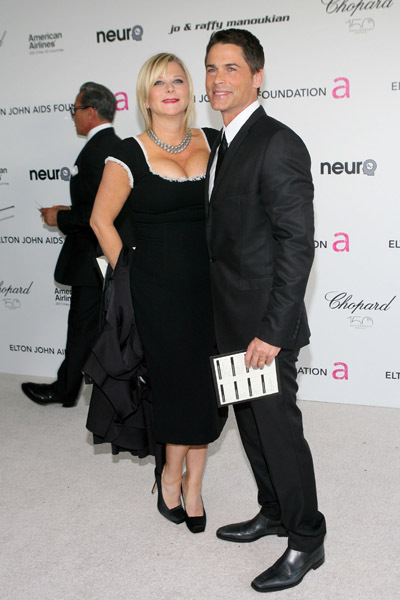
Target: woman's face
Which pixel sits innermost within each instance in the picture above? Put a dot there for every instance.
(170, 92)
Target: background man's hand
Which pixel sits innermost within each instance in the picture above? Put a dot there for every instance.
(49, 215)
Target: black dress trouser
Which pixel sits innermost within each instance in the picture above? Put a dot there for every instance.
(83, 329)
(271, 430)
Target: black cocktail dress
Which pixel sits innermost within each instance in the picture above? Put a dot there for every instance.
(171, 297)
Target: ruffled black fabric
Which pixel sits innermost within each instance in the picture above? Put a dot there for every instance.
(120, 411)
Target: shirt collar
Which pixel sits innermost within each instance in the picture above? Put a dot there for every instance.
(237, 123)
(95, 130)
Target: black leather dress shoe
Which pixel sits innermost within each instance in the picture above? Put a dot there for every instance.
(43, 393)
(288, 570)
(249, 531)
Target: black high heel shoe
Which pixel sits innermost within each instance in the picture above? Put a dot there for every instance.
(177, 515)
(195, 524)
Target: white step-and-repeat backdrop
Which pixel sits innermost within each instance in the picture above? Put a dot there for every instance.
(332, 74)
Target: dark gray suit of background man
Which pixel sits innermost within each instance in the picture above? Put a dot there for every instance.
(260, 239)
(93, 113)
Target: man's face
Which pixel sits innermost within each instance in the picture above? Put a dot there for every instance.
(82, 117)
(230, 85)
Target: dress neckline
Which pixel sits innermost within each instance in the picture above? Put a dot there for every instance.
(178, 179)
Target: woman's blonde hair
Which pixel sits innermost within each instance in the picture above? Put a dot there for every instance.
(148, 75)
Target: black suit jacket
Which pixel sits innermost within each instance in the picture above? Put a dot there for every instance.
(260, 236)
(75, 265)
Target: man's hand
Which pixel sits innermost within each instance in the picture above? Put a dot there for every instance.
(49, 215)
(260, 353)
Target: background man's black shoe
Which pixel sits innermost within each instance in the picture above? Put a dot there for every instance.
(288, 570)
(249, 531)
(43, 393)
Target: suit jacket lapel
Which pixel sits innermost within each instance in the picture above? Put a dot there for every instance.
(237, 140)
(96, 137)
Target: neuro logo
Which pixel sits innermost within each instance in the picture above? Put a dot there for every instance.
(137, 33)
(52, 174)
(2, 38)
(120, 35)
(368, 167)
(65, 174)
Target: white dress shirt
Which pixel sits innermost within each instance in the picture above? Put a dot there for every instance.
(95, 130)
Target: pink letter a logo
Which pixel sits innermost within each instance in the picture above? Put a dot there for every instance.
(345, 87)
(122, 101)
(341, 245)
(340, 373)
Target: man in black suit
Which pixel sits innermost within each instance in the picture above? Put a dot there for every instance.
(93, 113)
(260, 238)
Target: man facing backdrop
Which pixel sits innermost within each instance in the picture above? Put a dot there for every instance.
(93, 113)
(260, 238)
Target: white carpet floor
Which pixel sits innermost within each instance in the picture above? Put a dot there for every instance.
(79, 524)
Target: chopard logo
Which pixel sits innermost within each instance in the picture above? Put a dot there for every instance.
(5, 290)
(345, 6)
(344, 301)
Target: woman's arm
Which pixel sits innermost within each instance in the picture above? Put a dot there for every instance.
(111, 196)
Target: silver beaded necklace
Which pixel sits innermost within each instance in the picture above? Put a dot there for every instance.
(169, 147)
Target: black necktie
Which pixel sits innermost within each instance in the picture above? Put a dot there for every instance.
(223, 147)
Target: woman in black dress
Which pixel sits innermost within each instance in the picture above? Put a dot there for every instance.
(163, 169)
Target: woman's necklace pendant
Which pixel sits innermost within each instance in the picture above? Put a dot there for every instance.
(169, 147)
